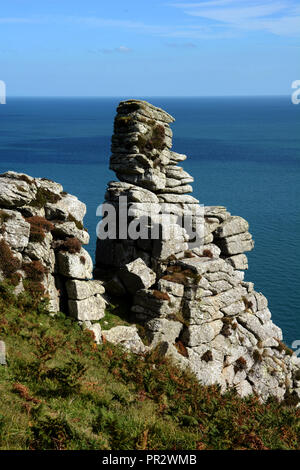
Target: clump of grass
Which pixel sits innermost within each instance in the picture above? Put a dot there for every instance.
(179, 317)
(284, 348)
(257, 356)
(78, 224)
(248, 303)
(39, 226)
(34, 288)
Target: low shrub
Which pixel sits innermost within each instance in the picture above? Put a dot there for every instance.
(71, 245)
(9, 263)
(38, 228)
(35, 271)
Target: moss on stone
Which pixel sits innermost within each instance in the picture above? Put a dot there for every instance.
(78, 224)
(44, 196)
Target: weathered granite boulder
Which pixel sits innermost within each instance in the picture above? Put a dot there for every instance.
(136, 275)
(15, 192)
(66, 207)
(15, 229)
(126, 336)
(79, 290)
(92, 308)
(75, 265)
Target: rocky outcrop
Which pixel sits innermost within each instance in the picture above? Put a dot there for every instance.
(188, 290)
(41, 238)
(181, 264)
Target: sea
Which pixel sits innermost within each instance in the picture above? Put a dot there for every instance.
(244, 153)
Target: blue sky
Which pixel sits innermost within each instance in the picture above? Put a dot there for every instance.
(149, 47)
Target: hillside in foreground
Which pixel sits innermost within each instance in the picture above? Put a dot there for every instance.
(60, 390)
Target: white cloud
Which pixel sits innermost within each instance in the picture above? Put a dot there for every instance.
(120, 49)
(202, 4)
(18, 20)
(123, 49)
(280, 17)
(184, 45)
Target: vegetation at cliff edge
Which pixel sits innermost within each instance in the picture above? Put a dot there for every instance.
(59, 390)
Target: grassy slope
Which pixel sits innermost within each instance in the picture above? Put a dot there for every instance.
(61, 391)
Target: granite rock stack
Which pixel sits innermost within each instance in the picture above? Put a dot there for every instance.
(190, 297)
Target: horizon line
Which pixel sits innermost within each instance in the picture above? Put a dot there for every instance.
(151, 96)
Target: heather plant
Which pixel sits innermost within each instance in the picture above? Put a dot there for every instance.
(9, 263)
(70, 244)
(39, 226)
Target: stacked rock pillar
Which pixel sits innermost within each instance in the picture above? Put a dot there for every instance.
(191, 297)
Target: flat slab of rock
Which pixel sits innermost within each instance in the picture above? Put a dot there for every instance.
(136, 276)
(236, 244)
(232, 226)
(238, 261)
(15, 193)
(67, 206)
(126, 336)
(77, 266)
(69, 229)
(15, 229)
(92, 308)
(79, 290)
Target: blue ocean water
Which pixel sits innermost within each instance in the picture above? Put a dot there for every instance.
(243, 152)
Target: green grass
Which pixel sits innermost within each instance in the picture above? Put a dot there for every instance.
(61, 391)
